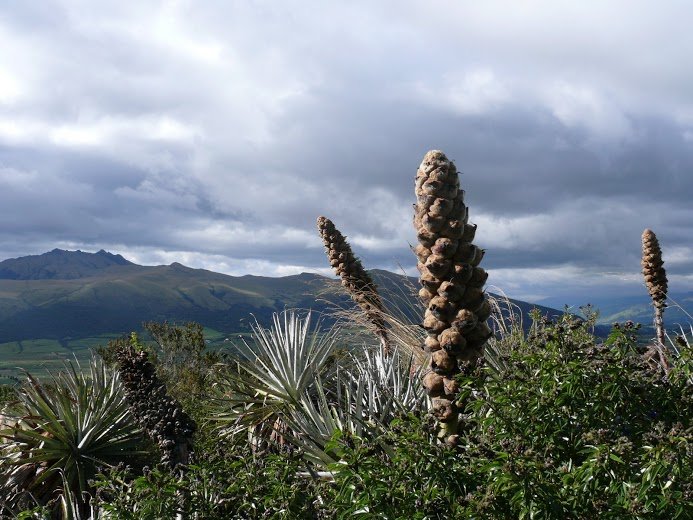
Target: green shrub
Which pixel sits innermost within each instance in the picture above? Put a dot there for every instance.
(569, 429)
(402, 474)
(237, 485)
(7, 393)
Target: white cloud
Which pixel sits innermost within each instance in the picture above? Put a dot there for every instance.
(584, 107)
(471, 93)
(10, 88)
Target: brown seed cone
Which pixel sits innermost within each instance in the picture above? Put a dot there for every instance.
(450, 387)
(443, 363)
(354, 277)
(653, 269)
(432, 344)
(656, 282)
(158, 414)
(452, 283)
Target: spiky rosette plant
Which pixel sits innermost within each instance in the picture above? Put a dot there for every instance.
(354, 277)
(656, 282)
(60, 433)
(451, 284)
(159, 415)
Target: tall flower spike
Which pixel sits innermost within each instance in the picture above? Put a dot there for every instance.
(451, 284)
(354, 277)
(655, 280)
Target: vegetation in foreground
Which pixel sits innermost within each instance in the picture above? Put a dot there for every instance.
(557, 426)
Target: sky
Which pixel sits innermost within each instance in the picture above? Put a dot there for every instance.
(215, 133)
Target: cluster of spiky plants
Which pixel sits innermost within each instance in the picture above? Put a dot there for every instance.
(160, 415)
(60, 433)
(277, 369)
(452, 282)
(354, 277)
(292, 381)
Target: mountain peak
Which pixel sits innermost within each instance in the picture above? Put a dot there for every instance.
(59, 264)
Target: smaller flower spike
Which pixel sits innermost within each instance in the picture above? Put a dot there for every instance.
(653, 269)
(656, 282)
(158, 414)
(354, 277)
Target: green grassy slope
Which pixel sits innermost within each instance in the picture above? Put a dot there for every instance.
(120, 298)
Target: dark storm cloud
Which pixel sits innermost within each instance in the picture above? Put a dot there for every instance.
(216, 134)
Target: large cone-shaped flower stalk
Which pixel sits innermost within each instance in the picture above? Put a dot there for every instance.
(354, 277)
(655, 278)
(451, 283)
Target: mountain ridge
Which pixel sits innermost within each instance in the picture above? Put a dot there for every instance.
(68, 294)
(59, 264)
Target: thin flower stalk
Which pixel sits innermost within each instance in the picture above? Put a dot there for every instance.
(656, 282)
(355, 279)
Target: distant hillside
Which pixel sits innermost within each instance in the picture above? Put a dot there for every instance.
(71, 294)
(59, 265)
(639, 309)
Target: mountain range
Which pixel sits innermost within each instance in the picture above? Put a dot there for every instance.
(63, 295)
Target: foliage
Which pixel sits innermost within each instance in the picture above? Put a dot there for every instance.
(559, 426)
(292, 388)
(238, 485)
(181, 357)
(64, 432)
(574, 429)
(570, 429)
(7, 393)
(403, 473)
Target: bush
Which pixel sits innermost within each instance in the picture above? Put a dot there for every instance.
(573, 429)
(570, 429)
(237, 485)
(560, 426)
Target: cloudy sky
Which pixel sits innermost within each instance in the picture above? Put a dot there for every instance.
(214, 133)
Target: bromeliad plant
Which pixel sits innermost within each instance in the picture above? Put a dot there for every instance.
(278, 369)
(294, 386)
(160, 415)
(656, 282)
(362, 399)
(457, 308)
(65, 431)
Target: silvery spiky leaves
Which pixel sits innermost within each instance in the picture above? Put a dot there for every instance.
(60, 433)
(354, 277)
(451, 282)
(291, 380)
(160, 415)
